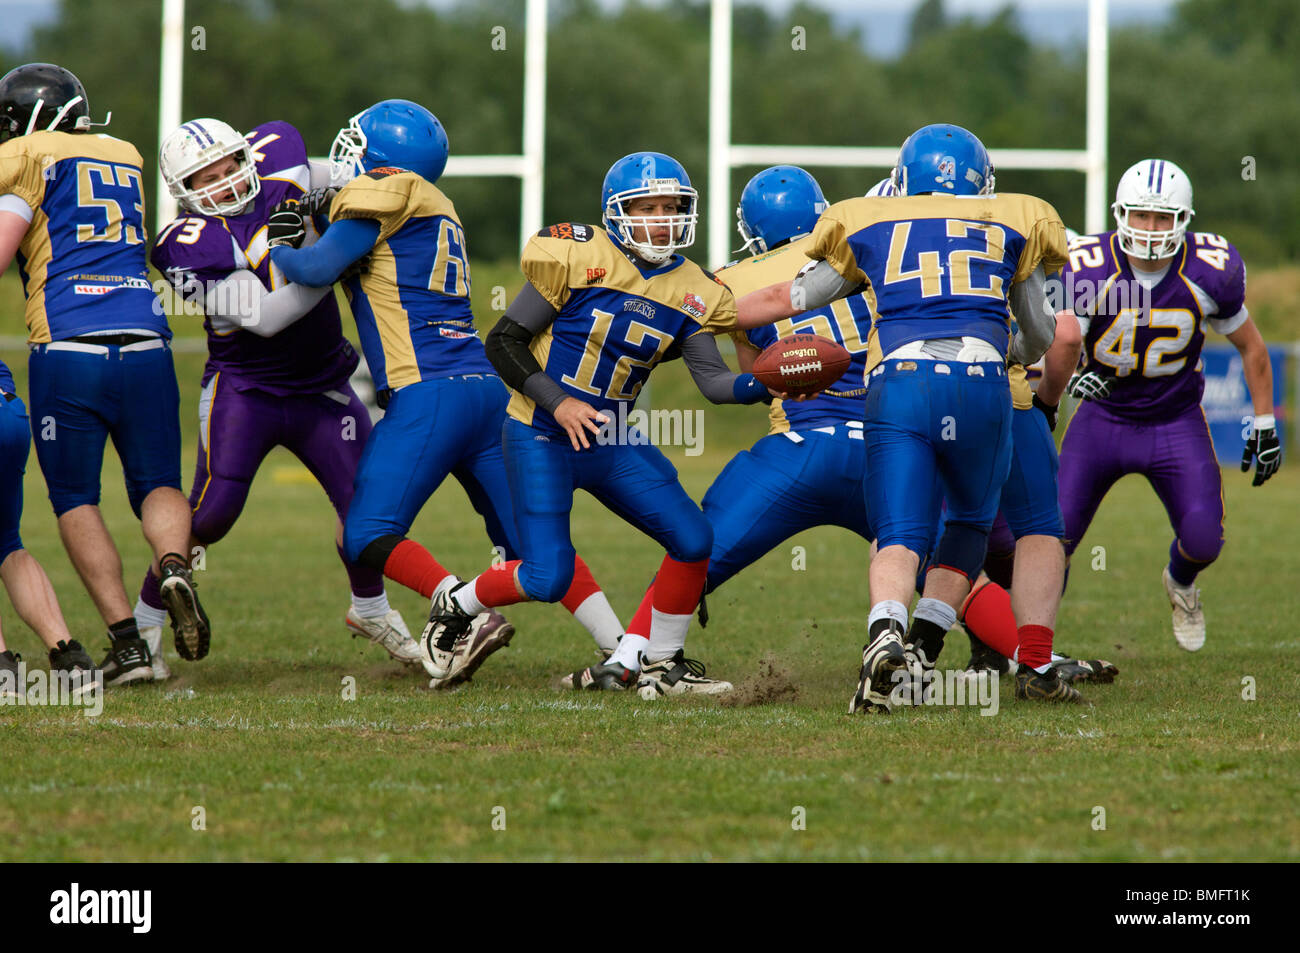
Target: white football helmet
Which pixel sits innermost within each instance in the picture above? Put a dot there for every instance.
(195, 146)
(1153, 185)
(885, 188)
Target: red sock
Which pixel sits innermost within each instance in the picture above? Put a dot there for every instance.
(414, 567)
(496, 587)
(583, 585)
(987, 613)
(1035, 645)
(678, 586)
(640, 624)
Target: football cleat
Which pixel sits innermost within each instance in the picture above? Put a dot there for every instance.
(985, 659)
(387, 631)
(1071, 670)
(152, 635)
(677, 675)
(487, 633)
(127, 661)
(447, 623)
(881, 658)
(69, 656)
(911, 689)
(9, 682)
(1189, 619)
(189, 621)
(605, 677)
(1030, 686)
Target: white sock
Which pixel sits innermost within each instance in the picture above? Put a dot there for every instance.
(467, 598)
(597, 616)
(936, 611)
(371, 607)
(628, 652)
(667, 634)
(146, 615)
(888, 609)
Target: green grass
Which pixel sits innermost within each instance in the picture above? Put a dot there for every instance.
(260, 736)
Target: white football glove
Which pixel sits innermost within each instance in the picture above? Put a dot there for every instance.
(1088, 386)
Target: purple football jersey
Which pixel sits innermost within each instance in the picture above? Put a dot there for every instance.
(1150, 341)
(309, 356)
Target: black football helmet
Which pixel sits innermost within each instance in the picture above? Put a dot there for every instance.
(41, 96)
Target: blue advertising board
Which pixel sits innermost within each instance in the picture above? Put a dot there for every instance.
(1227, 401)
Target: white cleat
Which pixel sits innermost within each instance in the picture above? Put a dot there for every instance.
(677, 675)
(387, 631)
(152, 635)
(1189, 618)
(488, 633)
(448, 623)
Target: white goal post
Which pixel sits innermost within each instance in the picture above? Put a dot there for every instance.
(724, 155)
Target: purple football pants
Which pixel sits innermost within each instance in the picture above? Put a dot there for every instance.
(1176, 456)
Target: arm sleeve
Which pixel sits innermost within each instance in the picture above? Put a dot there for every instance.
(507, 347)
(819, 284)
(322, 263)
(714, 378)
(1034, 315)
(242, 301)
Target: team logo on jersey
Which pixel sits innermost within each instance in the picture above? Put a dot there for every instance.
(694, 304)
(449, 333)
(643, 308)
(595, 276)
(570, 230)
(383, 171)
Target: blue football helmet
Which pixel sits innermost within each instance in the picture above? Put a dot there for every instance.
(649, 173)
(778, 204)
(943, 158)
(395, 132)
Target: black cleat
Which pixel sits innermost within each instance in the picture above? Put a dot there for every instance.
(1030, 686)
(127, 661)
(1071, 670)
(605, 677)
(189, 621)
(881, 658)
(10, 685)
(985, 659)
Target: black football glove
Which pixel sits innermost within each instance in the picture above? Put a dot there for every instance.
(358, 268)
(1048, 410)
(317, 202)
(285, 226)
(1263, 447)
(1088, 386)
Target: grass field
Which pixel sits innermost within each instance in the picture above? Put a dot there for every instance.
(261, 736)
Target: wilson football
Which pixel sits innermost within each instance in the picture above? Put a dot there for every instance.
(801, 364)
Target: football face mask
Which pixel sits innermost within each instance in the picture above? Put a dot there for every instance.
(1153, 185)
(196, 146)
(649, 175)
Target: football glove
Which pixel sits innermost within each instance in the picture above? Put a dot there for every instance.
(1048, 411)
(1263, 447)
(1088, 386)
(317, 202)
(285, 227)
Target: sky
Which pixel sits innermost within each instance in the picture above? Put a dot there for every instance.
(883, 22)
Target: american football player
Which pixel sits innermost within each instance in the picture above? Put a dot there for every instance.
(24, 578)
(600, 309)
(941, 277)
(278, 364)
(444, 402)
(72, 210)
(1141, 384)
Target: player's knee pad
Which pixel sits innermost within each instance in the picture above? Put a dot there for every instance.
(369, 554)
(961, 548)
(546, 583)
(1200, 537)
(693, 540)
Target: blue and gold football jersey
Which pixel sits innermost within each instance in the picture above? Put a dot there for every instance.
(616, 319)
(940, 266)
(846, 322)
(83, 259)
(412, 305)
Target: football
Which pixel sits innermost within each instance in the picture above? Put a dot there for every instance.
(801, 364)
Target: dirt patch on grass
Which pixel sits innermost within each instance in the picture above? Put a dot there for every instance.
(772, 683)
